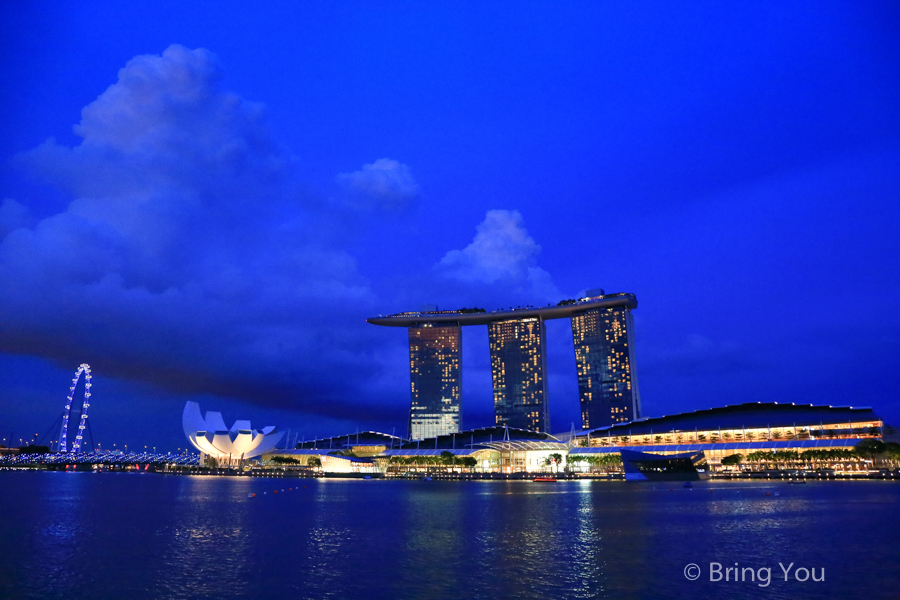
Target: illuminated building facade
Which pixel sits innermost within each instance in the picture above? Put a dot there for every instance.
(222, 445)
(494, 449)
(797, 434)
(604, 357)
(518, 360)
(745, 429)
(435, 379)
(750, 423)
(518, 371)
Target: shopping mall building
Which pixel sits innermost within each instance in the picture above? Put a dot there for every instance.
(717, 432)
(736, 429)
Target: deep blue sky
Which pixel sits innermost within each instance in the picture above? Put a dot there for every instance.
(205, 201)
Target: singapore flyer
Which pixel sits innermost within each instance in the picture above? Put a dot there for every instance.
(76, 444)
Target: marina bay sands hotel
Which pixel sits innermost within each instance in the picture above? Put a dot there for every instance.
(603, 332)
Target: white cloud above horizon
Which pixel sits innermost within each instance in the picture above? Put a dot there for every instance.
(384, 184)
(502, 252)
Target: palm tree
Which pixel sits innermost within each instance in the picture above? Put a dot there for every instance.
(555, 460)
(575, 459)
(614, 461)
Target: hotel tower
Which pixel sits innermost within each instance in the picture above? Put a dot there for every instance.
(604, 359)
(435, 379)
(519, 373)
(602, 329)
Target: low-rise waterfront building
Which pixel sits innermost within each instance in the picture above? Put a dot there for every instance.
(361, 443)
(486, 450)
(735, 429)
(334, 462)
(496, 449)
(776, 434)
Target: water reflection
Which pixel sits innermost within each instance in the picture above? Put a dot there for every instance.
(150, 536)
(430, 553)
(203, 538)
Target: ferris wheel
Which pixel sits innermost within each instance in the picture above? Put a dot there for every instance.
(76, 444)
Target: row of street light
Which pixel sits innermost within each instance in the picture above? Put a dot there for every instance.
(7, 441)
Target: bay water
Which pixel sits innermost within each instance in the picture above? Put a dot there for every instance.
(147, 536)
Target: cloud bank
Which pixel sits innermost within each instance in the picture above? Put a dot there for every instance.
(187, 257)
(191, 257)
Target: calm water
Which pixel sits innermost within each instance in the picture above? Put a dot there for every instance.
(137, 536)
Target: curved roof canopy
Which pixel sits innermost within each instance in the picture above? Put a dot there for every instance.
(484, 437)
(772, 445)
(514, 445)
(353, 440)
(751, 415)
(414, 452)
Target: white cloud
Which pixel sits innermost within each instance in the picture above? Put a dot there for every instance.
(166, 123)
(502, 249)
(501, 252)
(384, 184)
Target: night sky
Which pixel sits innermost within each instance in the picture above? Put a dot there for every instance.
(204, 201)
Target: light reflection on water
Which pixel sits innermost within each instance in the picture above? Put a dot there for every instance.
(83, 535)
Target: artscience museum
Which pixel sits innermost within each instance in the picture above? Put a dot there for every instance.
(226, 446)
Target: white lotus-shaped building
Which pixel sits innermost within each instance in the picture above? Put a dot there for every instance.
(210, 436)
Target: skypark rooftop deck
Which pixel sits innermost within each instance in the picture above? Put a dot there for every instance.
(483, 318)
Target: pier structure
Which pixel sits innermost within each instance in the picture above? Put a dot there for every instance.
(602, 329)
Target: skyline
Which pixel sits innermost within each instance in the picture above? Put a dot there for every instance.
(208, 209)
